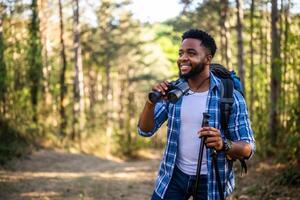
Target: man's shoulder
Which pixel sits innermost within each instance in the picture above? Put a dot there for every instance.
(238, 96)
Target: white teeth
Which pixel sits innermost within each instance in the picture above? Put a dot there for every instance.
(185, 67)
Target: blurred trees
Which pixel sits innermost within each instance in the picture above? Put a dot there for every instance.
(120, 58)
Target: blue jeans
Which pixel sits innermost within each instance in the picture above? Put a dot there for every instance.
(182, 186)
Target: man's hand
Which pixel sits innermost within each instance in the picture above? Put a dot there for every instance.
(146, 121)
(161, 87)
(213, 137)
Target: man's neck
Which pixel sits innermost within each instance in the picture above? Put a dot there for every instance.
(200, 82)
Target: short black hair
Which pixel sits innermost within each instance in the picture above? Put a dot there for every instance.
(206, 40)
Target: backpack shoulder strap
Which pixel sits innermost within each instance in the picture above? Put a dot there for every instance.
(226, 102)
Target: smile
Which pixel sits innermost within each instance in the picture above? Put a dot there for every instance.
(185, 67)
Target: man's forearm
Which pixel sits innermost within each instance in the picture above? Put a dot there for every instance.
(146, 121)
(240, 150)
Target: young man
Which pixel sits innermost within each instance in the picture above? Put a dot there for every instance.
(177, 173)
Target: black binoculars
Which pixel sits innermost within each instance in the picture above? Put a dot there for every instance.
(176, 89)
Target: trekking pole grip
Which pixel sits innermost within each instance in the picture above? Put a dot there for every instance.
(205, 121)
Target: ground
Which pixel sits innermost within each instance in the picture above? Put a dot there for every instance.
(49, 174)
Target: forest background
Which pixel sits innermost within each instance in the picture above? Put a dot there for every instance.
(69, 83)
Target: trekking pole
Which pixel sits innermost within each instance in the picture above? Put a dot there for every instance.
(205, 123)
(214, 156)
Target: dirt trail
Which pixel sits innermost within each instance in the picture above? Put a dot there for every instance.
(59, 175)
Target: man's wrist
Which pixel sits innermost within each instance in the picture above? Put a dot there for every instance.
(150, 102)
(227, 145)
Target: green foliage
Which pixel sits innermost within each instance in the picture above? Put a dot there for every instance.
(289, 177)
(169, 41)
(12, 142)
(125, 147)
(291, 141)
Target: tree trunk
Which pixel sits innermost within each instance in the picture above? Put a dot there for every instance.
(92, 75)
(186, 4)
(224, 33)
(3, 70)
(275, 76)
(239, 29)
(251, 58)
(285, 59)
(78, 106)
(34, 59)
(43, 16)
(108, 102)
(131, 110)
(123, 80)
(63, 87)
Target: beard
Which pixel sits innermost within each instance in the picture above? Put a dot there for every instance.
(193, 72)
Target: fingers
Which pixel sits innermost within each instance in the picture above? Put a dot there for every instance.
(214, 145)
(214, 142)
(209, 132)
(207, 128)
(161, 87)
(213, 137)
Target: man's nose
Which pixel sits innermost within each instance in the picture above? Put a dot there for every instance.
(183, 57)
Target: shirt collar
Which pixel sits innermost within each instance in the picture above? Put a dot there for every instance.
(214, 81)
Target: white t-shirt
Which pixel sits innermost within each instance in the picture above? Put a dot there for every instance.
(191, 115)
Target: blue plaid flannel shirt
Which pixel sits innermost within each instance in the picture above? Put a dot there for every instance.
(239, 129)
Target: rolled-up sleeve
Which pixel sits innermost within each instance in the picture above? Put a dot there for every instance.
(160, 116)
(239, 125)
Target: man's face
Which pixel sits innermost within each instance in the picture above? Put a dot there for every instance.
(192, 58)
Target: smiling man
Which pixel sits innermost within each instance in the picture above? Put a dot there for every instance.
(177, 173)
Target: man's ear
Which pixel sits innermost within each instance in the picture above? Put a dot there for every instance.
(208, 59)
